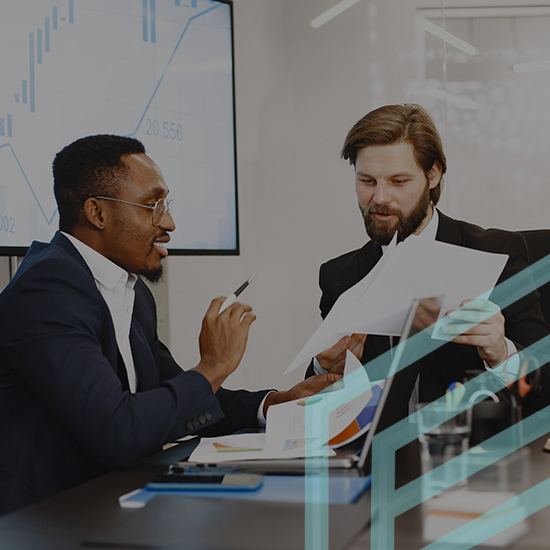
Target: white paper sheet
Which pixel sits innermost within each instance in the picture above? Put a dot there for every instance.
(420, 268)
(329, 331)
(415, 268)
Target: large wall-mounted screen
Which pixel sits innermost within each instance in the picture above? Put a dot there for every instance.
(157, 70)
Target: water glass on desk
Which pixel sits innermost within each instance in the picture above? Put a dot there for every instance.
(441, 443)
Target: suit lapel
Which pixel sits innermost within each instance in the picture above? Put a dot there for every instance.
(148, 377)
(376, 345)
(371, 256)
(115, 361)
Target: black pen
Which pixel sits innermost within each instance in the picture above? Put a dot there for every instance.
(232, 297)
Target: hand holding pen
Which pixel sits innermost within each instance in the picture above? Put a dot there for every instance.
(232, 298)
(223, 338)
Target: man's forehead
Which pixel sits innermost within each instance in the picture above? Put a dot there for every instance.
(397, 158)
(138, 161)
(146, 177)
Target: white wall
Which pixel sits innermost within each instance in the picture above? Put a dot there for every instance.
(298, 91)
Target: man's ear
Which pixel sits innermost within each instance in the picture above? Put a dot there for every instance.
(434, 174)
(93, 212)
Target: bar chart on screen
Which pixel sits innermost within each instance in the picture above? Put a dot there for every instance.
(161, 72)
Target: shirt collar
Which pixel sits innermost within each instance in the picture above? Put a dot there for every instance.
(104, 270)
(429, 232)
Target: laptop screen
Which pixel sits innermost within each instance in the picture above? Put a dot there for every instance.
(394, 401)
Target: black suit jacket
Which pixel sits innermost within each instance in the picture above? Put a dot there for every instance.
(66, 414)
(524, 322)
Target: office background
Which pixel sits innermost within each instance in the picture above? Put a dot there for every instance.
(299, 90)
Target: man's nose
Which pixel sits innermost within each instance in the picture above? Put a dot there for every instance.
(168, 222)
(381, 194)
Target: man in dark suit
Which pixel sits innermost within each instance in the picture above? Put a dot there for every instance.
(85, 384)
(399, 164)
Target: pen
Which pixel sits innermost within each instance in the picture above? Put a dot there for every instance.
(232, 297)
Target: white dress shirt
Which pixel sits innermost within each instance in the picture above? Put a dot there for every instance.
(117, 288)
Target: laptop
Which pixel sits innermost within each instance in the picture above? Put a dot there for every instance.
(354, 457)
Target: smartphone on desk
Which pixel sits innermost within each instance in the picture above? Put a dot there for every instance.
(205, 479)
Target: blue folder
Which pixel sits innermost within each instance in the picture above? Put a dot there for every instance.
(341, 490)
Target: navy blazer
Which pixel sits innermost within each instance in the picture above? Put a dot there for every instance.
(524, 322)
(66, 414)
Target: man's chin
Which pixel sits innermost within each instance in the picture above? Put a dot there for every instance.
(381, 234)
(153, 275)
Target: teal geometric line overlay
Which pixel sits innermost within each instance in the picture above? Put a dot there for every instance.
(388, 503)
(493, 522)
(316, 483)
(384, 498)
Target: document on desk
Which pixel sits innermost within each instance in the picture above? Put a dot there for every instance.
(286, 435)
(415, 268)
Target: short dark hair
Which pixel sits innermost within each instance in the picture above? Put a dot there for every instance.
(89, 167)
(395, 124)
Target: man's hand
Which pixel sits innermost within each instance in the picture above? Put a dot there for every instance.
(222, 340)
(306, 388)
(482, 325)
(426, 313)
(334, 359)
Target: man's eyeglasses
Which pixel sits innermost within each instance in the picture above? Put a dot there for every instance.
(159, 208)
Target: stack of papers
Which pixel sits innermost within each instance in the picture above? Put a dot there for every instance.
(288, 432)
(414, 268)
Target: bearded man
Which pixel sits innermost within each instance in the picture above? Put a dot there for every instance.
(399, 164)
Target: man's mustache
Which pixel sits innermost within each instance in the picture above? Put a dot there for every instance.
(383, 211)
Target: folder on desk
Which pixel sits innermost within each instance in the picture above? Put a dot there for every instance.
(341, 490)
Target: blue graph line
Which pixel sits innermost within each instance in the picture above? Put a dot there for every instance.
(144, 19)
(31, 68)
(48, 221)
(168, 65)
(47, 33)
(39, 46)
(153, 21)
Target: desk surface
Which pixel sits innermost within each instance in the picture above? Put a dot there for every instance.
(89, 516)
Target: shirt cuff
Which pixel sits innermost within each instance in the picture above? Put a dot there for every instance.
(512, 363)
(318, 369)
(260, 416)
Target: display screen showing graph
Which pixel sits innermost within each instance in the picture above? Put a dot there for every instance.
(157, 70)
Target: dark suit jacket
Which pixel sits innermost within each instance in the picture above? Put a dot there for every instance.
(65, 413)
(524, 322)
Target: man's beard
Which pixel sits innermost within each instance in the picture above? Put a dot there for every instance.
(382, 233)
(153, 275)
